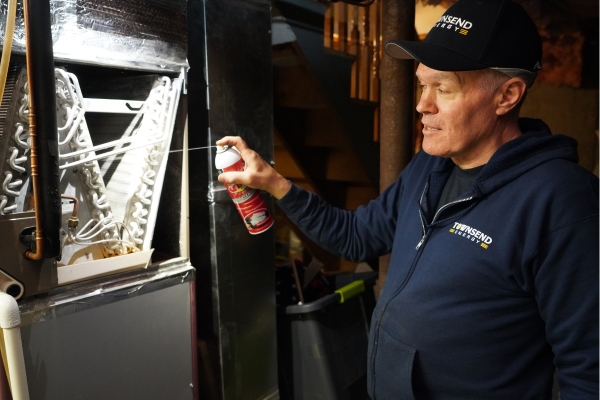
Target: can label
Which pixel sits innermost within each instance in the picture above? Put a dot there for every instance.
(249, 204)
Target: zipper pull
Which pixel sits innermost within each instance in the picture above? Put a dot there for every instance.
(421, 242)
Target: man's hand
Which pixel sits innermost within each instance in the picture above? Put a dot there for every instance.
(257, 174)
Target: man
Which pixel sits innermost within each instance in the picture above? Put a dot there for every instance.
(493, 228)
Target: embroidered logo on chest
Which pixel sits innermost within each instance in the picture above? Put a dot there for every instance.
(472, 234)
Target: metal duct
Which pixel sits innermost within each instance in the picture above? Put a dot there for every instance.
(230, 93)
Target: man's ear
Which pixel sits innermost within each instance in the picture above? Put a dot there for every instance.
(510, 94)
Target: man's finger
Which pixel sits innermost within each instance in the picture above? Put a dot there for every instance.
(231, 177)
(236, 141)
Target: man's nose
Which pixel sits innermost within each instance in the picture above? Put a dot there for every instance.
(426, 104)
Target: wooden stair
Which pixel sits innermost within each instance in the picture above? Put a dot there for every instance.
(312, 147)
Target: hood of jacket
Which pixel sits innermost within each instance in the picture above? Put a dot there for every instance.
(535, 146)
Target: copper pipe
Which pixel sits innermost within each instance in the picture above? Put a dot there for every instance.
(75, 202)
(39, 232)
(73, 221)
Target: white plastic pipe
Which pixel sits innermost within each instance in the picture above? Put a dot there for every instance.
(10, 320)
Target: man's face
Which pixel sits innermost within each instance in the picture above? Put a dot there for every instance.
(458, 115)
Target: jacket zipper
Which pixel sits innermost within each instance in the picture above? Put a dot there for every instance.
(435, 216)
(413, 266)
(422, 217)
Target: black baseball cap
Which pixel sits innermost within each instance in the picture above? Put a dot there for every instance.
(478, 34)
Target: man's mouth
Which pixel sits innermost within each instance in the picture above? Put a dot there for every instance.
(431, 128)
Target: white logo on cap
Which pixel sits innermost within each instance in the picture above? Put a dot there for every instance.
(449, 22)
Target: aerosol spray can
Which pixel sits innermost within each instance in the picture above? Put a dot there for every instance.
(248, 201)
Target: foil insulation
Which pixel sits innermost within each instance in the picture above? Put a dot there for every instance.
(154, 19)
(149, 34)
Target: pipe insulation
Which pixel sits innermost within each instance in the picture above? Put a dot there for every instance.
(10, 322)
(42, 92)
(11, 286)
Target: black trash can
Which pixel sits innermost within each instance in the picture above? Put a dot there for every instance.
(322, 345)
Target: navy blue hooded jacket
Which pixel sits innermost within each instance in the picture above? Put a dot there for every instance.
(487, 296)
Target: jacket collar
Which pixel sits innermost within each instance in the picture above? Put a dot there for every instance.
(535, 146)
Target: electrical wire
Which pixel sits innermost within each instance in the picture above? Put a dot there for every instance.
(122, 225)
(125, 245)
(128, 246)
(100, 227)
